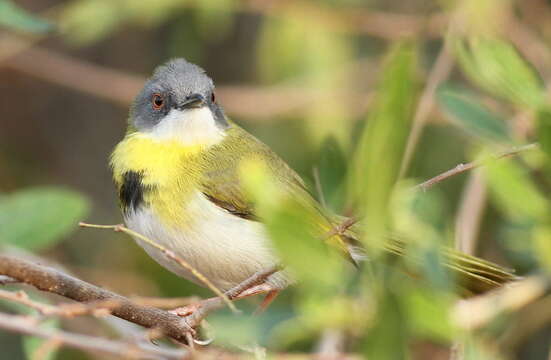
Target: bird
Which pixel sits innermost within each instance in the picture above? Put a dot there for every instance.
(177, 176)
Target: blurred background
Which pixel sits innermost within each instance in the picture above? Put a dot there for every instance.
(302, 76)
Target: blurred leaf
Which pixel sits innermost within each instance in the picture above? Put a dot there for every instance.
(332, 172)
(434, 271)
(420, 216)
(544, 131)
(496, 66)
(486, 17)
(235, 330)
(474, 117)
(514, 191)
(297, 48)
(388, 338)
(215, 18)
(37, 218)
(150, 12)
(32, 343)
(429, 312)
(475, 348)
(295, 226)
(300, 48)
(87, 21)
(518, 251)
(542, 246)
(12, 16)
(378, 156)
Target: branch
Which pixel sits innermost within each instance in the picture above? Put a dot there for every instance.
(54, 281)
(461, 168)
(120, 349)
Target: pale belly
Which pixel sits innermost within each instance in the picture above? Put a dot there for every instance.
(223, 247)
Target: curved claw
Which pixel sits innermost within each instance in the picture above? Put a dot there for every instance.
(203, 342)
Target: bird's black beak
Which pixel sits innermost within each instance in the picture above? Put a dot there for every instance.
(193, 101)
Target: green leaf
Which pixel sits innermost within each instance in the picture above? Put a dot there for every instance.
(233, 330)
(296, 227)
(13, 17)
(379, 154)
(215, 18)
(298, 49)
(332, 172)
(32, 343)
(387, 340)
(544, 130)
(514, 191)
(87, 21)
(542, 246)
(472, 116)
(37, 218)
(429, 312)
(496, 66)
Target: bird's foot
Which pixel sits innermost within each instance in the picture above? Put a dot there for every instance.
(187, 310)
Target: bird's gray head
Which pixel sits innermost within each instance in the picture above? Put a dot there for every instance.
(178, 101)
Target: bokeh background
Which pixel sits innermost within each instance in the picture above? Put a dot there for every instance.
(302, 76)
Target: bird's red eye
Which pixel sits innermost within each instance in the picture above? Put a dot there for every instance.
(157, 101)
(212, 97)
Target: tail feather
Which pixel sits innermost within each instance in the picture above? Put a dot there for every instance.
(474, 275)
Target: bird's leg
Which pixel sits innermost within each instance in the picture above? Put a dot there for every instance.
(188, 309)
(270, 296)
(263, 288)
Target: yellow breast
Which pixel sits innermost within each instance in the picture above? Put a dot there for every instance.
(168, 174)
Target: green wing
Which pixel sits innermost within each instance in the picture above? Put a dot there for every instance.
(220, 179)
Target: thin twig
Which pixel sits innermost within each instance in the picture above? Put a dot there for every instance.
(97, 308)
(170, 254)
(470, 213)
(22, 298)
(461, 168)
(94, 344)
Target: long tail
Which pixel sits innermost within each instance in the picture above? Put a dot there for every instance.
(474, 275)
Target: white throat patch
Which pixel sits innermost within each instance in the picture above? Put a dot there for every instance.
(190, 127)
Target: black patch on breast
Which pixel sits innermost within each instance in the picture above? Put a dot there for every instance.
(132, 191)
